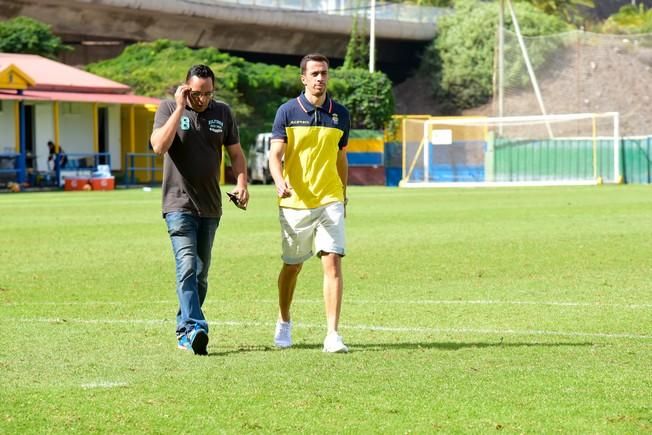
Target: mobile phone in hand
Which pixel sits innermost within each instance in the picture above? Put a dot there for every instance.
(234, 199)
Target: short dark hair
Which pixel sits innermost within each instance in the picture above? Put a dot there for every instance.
(314, 57)
(201, 71)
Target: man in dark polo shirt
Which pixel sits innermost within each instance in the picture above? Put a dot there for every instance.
(190, 132)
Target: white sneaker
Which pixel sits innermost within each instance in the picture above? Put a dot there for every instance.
(283, 334)
(333, 343)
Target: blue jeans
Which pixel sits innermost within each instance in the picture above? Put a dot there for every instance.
(192, 241)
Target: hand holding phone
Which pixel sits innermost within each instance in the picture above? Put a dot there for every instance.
(181, 95)
(234, 199)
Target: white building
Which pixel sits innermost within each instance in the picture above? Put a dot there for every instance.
(94, 120)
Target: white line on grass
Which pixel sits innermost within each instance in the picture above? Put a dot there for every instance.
(471, 302)
(104, 384)
(353, 301)
(397, 329)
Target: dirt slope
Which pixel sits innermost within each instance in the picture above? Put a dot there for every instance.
(603, 78)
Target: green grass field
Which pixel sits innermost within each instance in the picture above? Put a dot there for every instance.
(466, 311)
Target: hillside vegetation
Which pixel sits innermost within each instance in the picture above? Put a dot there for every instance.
(253, 90)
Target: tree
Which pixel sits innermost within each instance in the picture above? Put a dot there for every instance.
(368, 96)
(357, 50)
(568, 10)
(630, 19)
(460, 59)
(435, 3)
(253, 91)
(25, 35)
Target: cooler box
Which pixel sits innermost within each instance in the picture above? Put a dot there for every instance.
(103, 183)
(75, 183)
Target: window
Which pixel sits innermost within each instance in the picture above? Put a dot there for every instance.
(70, 108)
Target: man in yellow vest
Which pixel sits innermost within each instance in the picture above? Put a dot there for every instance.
(309, 166)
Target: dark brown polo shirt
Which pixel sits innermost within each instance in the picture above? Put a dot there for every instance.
(191, 167)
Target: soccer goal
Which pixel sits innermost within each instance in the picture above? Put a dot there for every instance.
(568, 149)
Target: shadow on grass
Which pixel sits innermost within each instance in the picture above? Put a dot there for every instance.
(371, 347)
(240, 349)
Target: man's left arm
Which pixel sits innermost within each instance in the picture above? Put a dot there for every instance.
(343, 170)
(239, 167)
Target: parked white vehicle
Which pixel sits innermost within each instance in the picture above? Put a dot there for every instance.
(258, 159)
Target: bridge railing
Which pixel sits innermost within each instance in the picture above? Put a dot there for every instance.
(384, 10)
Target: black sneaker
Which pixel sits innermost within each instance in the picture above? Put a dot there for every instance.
(198, 340)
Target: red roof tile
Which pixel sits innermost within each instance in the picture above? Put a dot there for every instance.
(50, 75)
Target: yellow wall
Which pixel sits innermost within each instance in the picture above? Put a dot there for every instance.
(136, 139)
(461, 133)
(364, 145)
(9, 141)
(410, 128)
(394, 131)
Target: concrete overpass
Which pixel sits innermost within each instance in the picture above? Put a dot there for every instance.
(101, 28)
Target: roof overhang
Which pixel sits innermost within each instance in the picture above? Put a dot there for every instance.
(80, 97)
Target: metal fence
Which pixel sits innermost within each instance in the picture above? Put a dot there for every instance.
(384, 10)
(142, 168)
(9, 167)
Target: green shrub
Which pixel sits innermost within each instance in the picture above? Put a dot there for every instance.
(156, 68)
(264, 88)
(367, 96)
(629, 20)
(253, 90)
(25, 35)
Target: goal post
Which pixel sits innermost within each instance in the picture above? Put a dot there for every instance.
(563, 149)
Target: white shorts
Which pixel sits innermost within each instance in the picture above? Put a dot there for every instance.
(314, 230)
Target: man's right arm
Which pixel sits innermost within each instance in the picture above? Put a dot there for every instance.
(276, 152)
(162, 137)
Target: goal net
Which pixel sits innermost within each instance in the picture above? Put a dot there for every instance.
(569, 149)
(577, 72)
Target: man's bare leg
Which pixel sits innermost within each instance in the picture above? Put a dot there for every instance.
(333, 288)
(287, 282)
